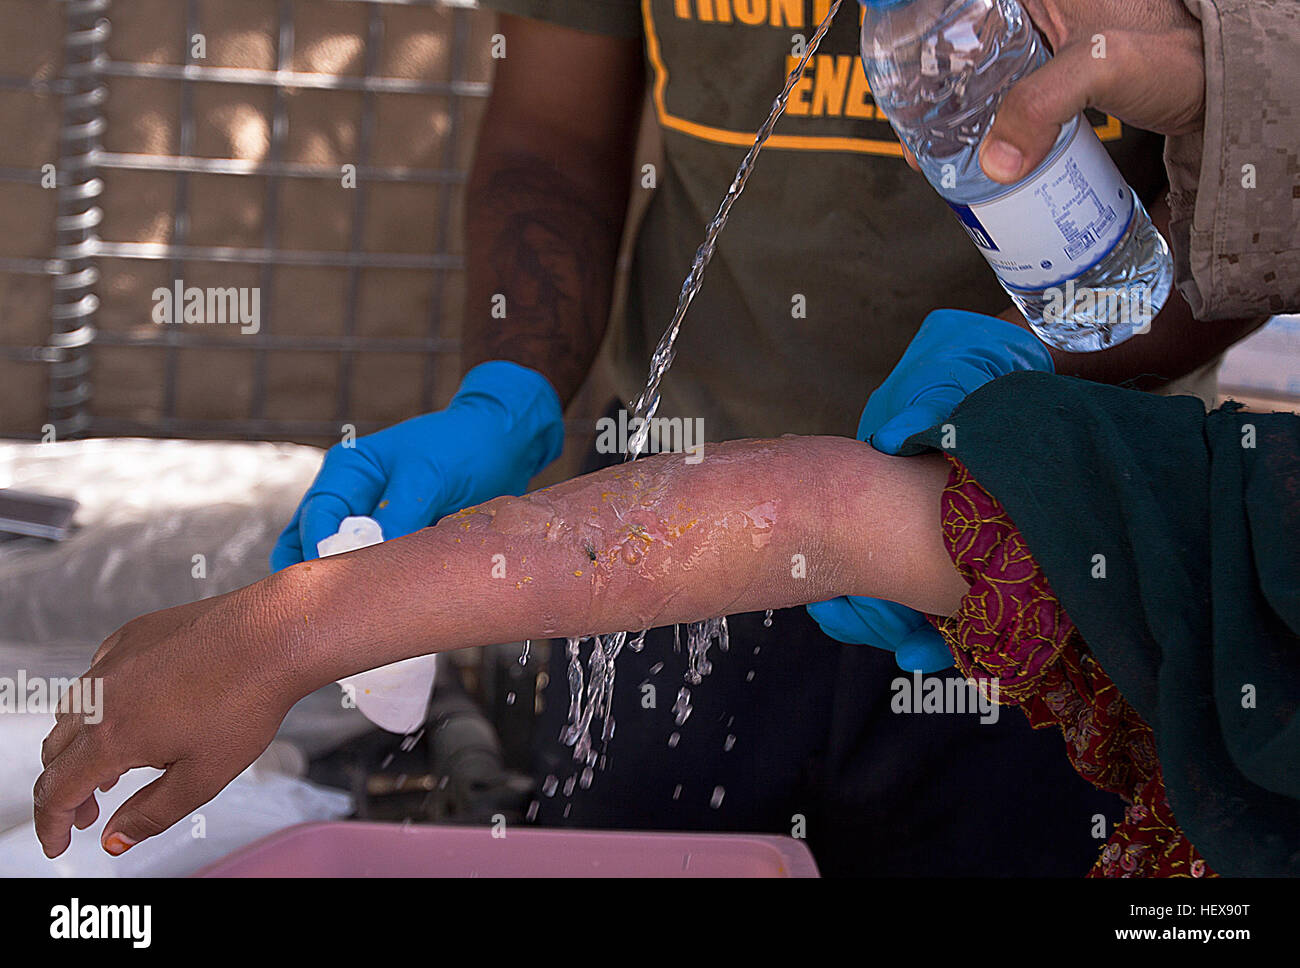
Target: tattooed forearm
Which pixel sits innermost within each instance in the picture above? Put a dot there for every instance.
(542, 248)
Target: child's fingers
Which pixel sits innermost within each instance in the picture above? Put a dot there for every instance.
(87, 813)
(172, 797)
(68, 780)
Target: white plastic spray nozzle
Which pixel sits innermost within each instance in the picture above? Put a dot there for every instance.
(352, 535)
(393, 697)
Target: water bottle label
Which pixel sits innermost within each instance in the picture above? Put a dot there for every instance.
(1058, 222)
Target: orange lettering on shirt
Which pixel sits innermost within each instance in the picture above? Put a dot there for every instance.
(798, 103)
(723, 10)
(820, 9)
(787, 13)
(682, 8)
(857, 104)
(832, 80)
(751, 12)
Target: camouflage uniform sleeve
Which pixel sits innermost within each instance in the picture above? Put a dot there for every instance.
(1235, 186)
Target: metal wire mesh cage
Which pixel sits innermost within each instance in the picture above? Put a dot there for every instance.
(311, 151)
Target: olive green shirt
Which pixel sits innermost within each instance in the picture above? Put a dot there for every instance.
(836, 251)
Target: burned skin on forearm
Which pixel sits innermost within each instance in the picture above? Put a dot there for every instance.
(758, 524)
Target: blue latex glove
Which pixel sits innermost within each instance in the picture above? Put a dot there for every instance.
(953, 354)
(503, 426)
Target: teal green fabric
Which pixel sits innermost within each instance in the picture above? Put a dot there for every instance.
(1196, 520)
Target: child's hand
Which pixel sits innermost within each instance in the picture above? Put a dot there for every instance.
(197, 690)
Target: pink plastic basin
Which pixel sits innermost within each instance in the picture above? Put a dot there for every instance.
(354, 849)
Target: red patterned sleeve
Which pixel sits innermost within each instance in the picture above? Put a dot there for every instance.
(1012, 635)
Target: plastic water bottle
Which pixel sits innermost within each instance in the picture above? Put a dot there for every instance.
(1070, 243)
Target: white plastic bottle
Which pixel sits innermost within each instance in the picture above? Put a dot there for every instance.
(1070, 243)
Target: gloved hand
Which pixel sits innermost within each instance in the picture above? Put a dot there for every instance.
(503, 425)
(953, 354)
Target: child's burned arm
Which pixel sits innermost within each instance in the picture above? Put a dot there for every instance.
(199, 690)
(757, 524)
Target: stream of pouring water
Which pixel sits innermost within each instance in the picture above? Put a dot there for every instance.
(700, 636)
(648, 402)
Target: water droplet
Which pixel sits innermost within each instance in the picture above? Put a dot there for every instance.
(715, 801)
(673, 740)
(767, 619)
(592, 705)
(682, 707)
(523, 653)
(510, 699)
(550, 785)
(677, 791)
(532, 811)
(699, 637)
(728, 744)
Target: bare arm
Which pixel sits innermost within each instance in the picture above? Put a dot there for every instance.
(758, 524)
(547, 198)
(199, 690)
